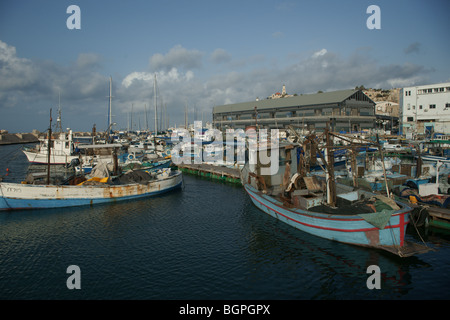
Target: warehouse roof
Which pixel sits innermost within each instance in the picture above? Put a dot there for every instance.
(303, 100)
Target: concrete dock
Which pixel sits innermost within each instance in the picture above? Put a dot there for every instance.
(212, 172)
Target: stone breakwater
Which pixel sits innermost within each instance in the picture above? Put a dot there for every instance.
(18, 138)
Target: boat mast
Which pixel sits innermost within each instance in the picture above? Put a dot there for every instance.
(380, 149)
(58, 120)
(110, 99)
(331, 183)
(49, 147)
(146, 120)
(156, 110)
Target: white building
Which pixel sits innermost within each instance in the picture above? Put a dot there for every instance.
(425, 109)
(387, 108)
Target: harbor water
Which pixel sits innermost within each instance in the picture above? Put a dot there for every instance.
(205, 241)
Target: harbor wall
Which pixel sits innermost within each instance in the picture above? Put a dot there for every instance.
(18, 138)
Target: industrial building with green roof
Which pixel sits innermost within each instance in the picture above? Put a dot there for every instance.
(347, 110)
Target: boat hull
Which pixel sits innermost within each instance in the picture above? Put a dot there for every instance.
(351, 229)
(15, 196)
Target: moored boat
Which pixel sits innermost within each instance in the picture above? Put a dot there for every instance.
(98, 187)
(62, 150)
(325, 208)
(15, 196)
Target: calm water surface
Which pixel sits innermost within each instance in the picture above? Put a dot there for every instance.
(206, 241)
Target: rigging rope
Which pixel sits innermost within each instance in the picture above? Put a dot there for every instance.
(415, 226)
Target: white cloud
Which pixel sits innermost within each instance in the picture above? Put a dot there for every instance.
(88, 60)
(220, 56)
(177, 57)
(32, 87)
(171, 76)
(320, 53)
(15, 73)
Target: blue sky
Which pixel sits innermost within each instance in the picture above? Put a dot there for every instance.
(205, 53)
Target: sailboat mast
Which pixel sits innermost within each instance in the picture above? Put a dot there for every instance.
(156, 111)
(110, 99)
(146, 120)
(49, 147)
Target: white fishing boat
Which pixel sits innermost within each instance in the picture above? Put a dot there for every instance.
(62, 150)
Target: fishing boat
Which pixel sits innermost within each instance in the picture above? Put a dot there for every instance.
(325, 208)
(15, 196)
(103, 185)
(62, 150)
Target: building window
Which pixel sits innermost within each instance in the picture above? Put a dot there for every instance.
(420, 107)
(432, 106)
(410, 119)
(447, 106)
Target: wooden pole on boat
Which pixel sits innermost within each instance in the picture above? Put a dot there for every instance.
(49, 147)
(354, 167)
(384, 168)
(116, 166)
(331, 186)
(419, 164)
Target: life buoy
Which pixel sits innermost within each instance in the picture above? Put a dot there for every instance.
(130, 157)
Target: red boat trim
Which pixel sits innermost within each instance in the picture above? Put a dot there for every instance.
(401, 225)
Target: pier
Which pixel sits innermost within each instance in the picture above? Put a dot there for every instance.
(18, 138)
(439, 217)
(213, 172)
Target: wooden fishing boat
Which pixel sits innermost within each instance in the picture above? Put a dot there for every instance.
(325, 208)
(382, 230)
(15, 196)
(99, 187)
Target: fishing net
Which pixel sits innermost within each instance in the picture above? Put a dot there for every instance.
(378, 219)
(133, 177)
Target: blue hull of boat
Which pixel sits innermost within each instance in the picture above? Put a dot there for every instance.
(22, 204)
(350, 229)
